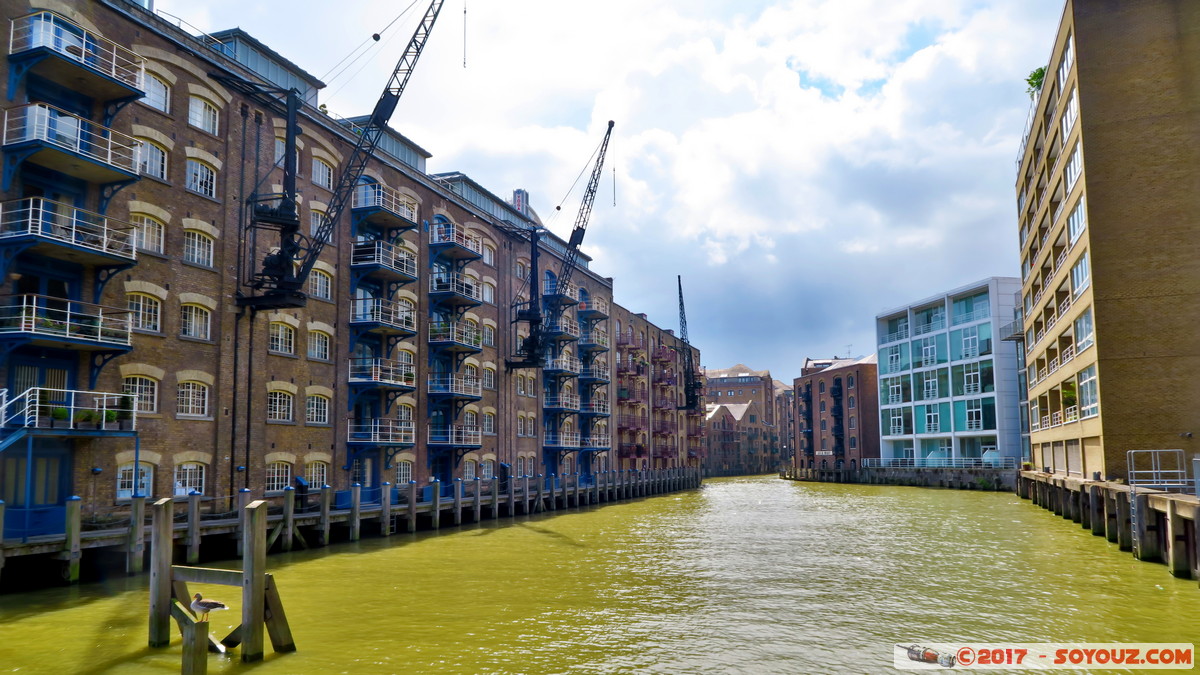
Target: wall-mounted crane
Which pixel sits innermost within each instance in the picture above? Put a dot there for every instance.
(692, 386)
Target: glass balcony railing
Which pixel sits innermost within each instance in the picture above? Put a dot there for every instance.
(43, 317)
(62, 223)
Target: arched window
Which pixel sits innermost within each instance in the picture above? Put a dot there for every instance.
(145, 312)
(404, 412)
(850, 404)
(158, 93)
(189, 477)
(129, 484)
(197, 248)
(150, 232)
(318, 345)
(403, 473)
(471, 372)
(489, 423)
(487, 469)
(201, 178)
(279, 406)
(316, 473)
(520, 466)
(470, 419)
(489, 377)
(320, 285)
(194, 321)
(489, 336)
(202, 114)
(322, 174)
(489, 254)
(316, 409)
(279, 475)
(549, 283)
(152, 159)
(144, 390)
(469, 470)
(282, 338)
(192, 399)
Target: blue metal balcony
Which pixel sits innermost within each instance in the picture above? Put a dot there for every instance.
(563, 329)
(460, 435)
(592, 308)
(47, 136)
(451, 241)
(385, 317)
(560, 403)
(383, 206)
(449, 386)
(40, 411)
(455, 336)
(594, 340)
(563, 440)
(563, 365)
(384, 260)
(383, 373)
(455, 289)
(63, 52)
(594, 375)
(557, 293)
(61, 231)
(380, 431)
(56, 322)
(595, 408)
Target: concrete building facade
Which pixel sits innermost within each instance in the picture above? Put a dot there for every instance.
(1107, 228)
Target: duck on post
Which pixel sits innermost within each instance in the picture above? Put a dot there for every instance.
(201, 607)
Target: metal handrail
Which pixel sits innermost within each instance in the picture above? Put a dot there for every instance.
(940, 462)
(451, 383)
(62, 318)
(43, 122)
(448, 233)
(378, 310)
(46, 29)
(380, 431)
(455, 331)
(374, 195)
(42, 406)
(382, 370)
(386, 254)
(456, 282)
(62, 222)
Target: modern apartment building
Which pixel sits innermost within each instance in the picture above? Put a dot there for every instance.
(131, 368)
(742, 384)
(948, 389)
(1109, 236)
(836, 413)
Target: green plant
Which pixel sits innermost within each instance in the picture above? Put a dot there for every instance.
(125, 408)
(1034, 80)
(85, 416)
(110, 415)
(60, 414)
(1068, 400)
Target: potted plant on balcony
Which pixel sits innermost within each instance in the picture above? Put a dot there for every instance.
(110, 420)
(61, 418)
(86, 419)
(125, 413)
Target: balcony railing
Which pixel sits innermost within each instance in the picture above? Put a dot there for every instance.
(995, 462)
(597, 338)
(93, 50)
(597, 306)
(594, 373)
(1071, 414)
(665, 427)
(70, 409)
(635, 342)
(456, 332)
(57, 318)
(555, 287)
(450, 383)
(935, 324)
(562, 439)
(456, 284)
(56, 221)
(445, 233)
(385, 312)
(565, 327)
(71, 134)
(632, 421)
(382, 371)
(387, 255)
(899, 334)
(455, 434)
(662, 353)
(563, 401)
(600, 407)
(566, 363)
(374, 195)
(380, 431)
(597, 441)
(976, 315)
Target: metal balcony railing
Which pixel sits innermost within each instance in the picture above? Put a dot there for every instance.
(456, 283)
(567, 363)
(386, 312)
(445, 233)
(561, 439)
(594, 337)
(665, 426)
(383, 371)
(662, 353)
(565, 326)
(555, 287)
(462, 385)
(43, 315)
(599, 406)
(567, 401)
(374, 195)
(594, 373)
(597, 441)
(941, 462)
(43, 218)
(630, 341)
(598, 306)
(71, 133)
(455, 434)
(92, 50)
(380, 431)
(385, 254)
(70, 409)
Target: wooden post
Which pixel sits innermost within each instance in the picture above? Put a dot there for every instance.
(193, 528)
(1096, 506)
(195, 641)
(254, 564)
(1177, 555)
(478, 499)
(289, 516)
(1124, 536)
(355, 511)
(436, 511)
(458, 501)
(326, 507)
(135, 544)
(385, 509)
(71, 548)
(160, 574)
(1084, 512)
(577, 489)
(277, 624)
(496, 498)
(512, 498)
(243, 500)
(412, 506)
(1147, 548)
(1110, 515)
(551, 482)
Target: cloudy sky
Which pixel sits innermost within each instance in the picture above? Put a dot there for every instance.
(803, 164)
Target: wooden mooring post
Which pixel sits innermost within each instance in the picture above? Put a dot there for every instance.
(261, 605)
(385, 510)
(193, 531)
(355, 512)
(135, 542)
(71, 551)
(458, 492)
(412, 506)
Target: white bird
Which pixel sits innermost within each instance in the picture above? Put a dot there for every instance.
(202, 607)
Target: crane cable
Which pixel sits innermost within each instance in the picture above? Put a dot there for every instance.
(586, 166)
(368, 43)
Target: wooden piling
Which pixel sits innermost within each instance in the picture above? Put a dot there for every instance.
(160, 574)
(1111, 525)
(1147, 547)
(385, 509)
(1124, 536)
(243, 500)
(436, 512)
(71, 548)
(478, 499)
(195, 640)
(355, 511)
(277, 624)
(135, 541)
(1177, 541)
(326, 508)
(458, 501)
(412, 506)
(254, 564)
(289, 517)
(193, 528)
(1096, 506)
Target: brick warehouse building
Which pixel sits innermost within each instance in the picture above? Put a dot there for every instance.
(837, 413)
(1107, 227)
(129, 366)
(742, 384)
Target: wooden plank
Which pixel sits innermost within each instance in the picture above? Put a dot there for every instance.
(254, 563)
(277, 624)
(135, 539)
(207, 575)
(71, 543)
(160, 574)
(193, 528)
(274, 535)
(243, 500)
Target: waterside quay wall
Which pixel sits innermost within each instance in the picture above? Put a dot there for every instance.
(1166, 522)
(324, 515)
(976, 478)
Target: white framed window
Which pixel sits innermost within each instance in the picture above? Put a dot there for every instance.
(322, 174)
(189, 478)
(970, 342)
(1067, 58)
(280, 147)
(201, 178)
(1074, 168)
(489, 336)
(1089, 393)
(520, 425)
(893, 357)
(404, 473)
(489, 378)
(520, 471)
(130, 483)
(315, 218)
(1077, 222)
(318, 345)
(1071, 113)
(194, 322)
(520, 385)
(145, 312)
(282, 338)
(158, 93)
(469, 470)
(896, 421)
(928, 352)
(852, 422)
(933, 418)
(197, 248)
(279, 406)
(895, 391)
(279, 475)
(320, 285)
(144, 391)
(1084, 333)
(191, 399)
(487, 469)
(361, 471)
(850, 403)
(150, 232)
(1081, 274)
(522, 270)
(489, 255)
(471, 419)
(488, 293)
(974, 415)
(316, 473)
(971, 378)
(929, 383)
(404, 412)
(203, 115)
(316, 409)
(489, 423)
(152, 159)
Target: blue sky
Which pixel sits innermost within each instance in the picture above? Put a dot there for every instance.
(804, 165)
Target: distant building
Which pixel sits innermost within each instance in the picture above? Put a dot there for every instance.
(836, 410)
(1109, 232)
(742, 384)
(738, 440)
(785, 420)
(948, 388)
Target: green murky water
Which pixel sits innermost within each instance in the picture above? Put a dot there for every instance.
(754, 575)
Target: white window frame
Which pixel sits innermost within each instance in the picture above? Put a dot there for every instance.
(188, 478)
(404, 472)
(279, 476)
(970, 342)
(896, 422)
(195, 321)
(144, 391)
(279, 406)
(152, 159)
(1081, 275)
(1077, 221)
(933, 419)
(1084, 322)
(126, 485)
(489, 423)
(316, 473)
(150, 232)
(145, 312)
(201, 178)
(487, 469)
(974, 414)
(198, 248)
(468, 470)
(929, 385)
(203, 115)
(320, 285)
(322, 174)
(318, 345)
(489, 378)
(1089, 394)
(895, 391)
(1074, 167)
(282, 338)
(972, 378)
(316, 409)
(158, 93)
(191, 399)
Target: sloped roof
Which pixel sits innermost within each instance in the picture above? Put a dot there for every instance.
(737, 370)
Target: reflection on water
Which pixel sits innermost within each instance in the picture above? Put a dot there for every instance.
(753, 575)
